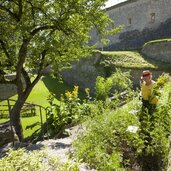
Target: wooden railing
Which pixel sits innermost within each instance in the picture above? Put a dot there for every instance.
(28, 110)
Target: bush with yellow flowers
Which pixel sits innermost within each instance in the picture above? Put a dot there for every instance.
(67, 113)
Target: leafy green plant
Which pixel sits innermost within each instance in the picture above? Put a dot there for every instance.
(161, 81)
(103, 87)
(118, 82)
(121, 81)
(105, 143)
(23, 160)
(68, 112)
(155, 130)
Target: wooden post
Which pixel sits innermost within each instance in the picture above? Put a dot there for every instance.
(47, 123)
(41, 119)
(9, 109)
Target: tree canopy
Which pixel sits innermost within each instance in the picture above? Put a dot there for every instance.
(37, 33)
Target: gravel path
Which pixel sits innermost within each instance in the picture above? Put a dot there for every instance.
(61, 147)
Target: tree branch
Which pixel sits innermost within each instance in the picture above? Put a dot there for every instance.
(43, 54)
(15, 16)
(36, 30)
(4, 49)
(20, 9)
(26, 77)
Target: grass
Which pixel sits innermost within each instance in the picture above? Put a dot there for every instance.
(39, 96)
(131, 60)
(157, 41)
(58, 88)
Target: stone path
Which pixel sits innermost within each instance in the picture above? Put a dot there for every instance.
(55, 147)
(61, 147)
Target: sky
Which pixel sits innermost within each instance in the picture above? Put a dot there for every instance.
(113, 2)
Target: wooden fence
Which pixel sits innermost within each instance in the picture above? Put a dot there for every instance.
(28, 110)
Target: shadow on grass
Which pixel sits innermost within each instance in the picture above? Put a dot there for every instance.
(58, 88)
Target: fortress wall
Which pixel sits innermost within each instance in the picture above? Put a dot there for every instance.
(7, 90)
(85, 71)
(160, 51)
(143, 20)
(140, 11)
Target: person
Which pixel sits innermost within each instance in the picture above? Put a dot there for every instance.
(149, 99)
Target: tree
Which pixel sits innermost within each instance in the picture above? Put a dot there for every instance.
(37, 33)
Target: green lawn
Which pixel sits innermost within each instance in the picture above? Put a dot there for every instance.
(39, 96)
(58, 88)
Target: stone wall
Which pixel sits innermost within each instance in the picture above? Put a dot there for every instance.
(142, 20)
(7, 90)
(85, 72)
(160, 51)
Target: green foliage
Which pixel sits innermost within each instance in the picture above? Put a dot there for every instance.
(161, 81)
(155, 130)
(103, 87)
(21, 160)
(125, 59)
(130, 60)
(106, 138)
(34, 161)
(118, 82)
(121, 81)
(69, 111)
(38, 34)
(157, 41)
(119, 140)
(53, 33)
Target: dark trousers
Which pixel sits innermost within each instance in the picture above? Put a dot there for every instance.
(147, 107)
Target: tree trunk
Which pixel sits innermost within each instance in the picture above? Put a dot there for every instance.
(15, 118)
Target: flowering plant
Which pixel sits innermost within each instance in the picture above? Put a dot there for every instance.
(164, 78)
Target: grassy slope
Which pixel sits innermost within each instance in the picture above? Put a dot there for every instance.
(131, 60)
(58, 87)
(39, 96)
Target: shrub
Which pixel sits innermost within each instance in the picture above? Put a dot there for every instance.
(121, 81)
(68, 112)
(118, 82)
(106, 139)
(23, 160)
(118, 140)
(103, 87)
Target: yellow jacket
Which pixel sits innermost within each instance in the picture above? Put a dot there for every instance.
(146, 92)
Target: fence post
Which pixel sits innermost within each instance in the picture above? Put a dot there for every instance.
(41, 119)
(47, 122)
(9, 109)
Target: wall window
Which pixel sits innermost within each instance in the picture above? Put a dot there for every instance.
(129, 21)
(152, 15)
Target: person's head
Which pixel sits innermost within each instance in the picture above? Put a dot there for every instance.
(146, 76)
